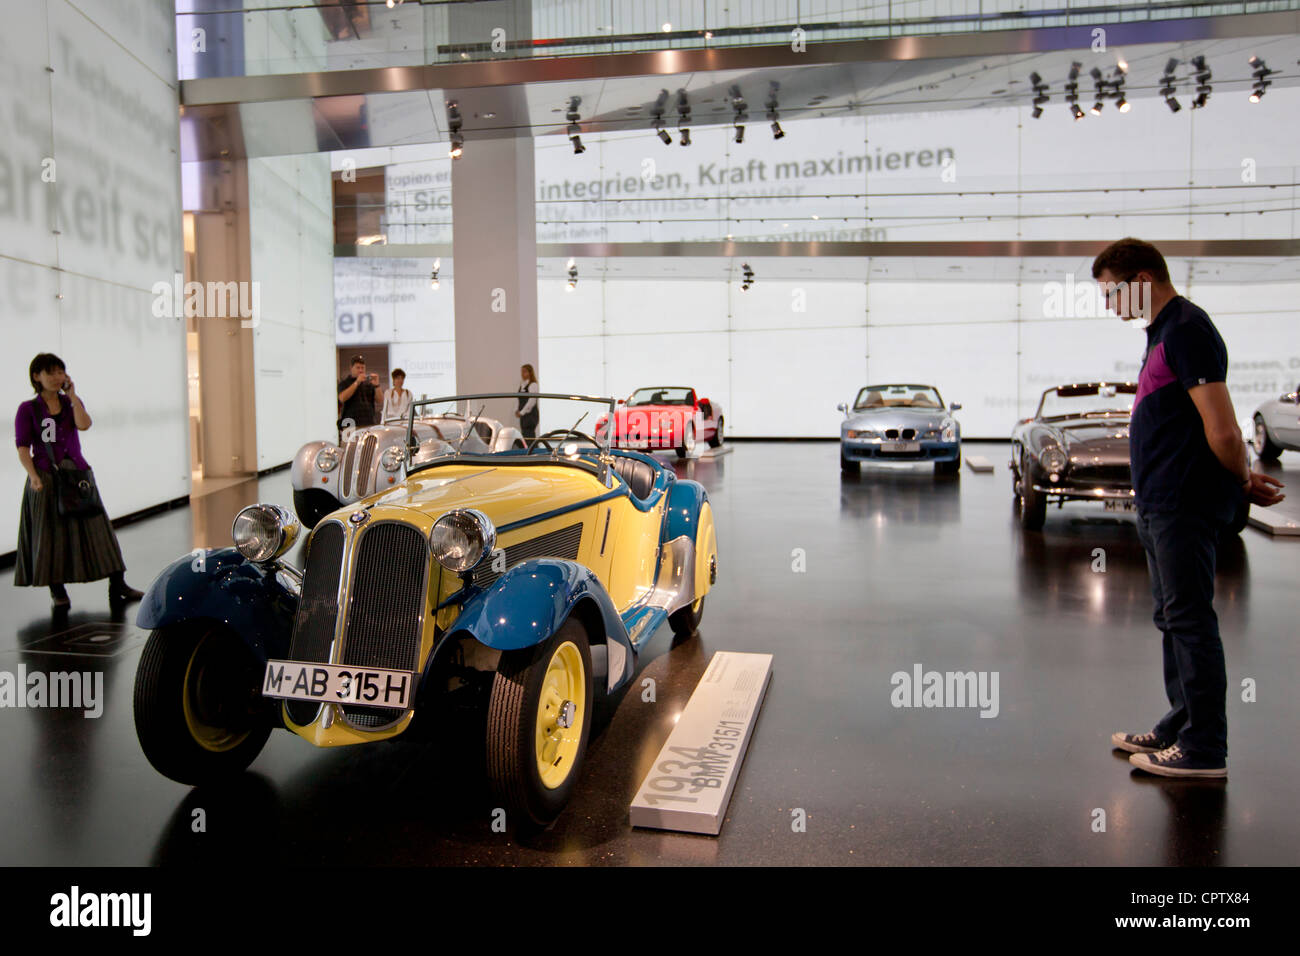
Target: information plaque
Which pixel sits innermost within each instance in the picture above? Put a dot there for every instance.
(690, 784)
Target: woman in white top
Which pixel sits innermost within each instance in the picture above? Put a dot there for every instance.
(397, 400)
(527, 412)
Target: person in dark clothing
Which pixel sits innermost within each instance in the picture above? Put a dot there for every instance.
(527, 412)
(357, 395)
(1190, 474)
(55, 549)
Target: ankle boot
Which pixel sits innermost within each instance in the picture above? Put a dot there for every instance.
(59, 597)
(119, 592)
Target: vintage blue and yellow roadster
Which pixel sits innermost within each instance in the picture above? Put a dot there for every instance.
(532, 576)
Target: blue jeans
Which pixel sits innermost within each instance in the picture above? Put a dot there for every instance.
(1180, 550)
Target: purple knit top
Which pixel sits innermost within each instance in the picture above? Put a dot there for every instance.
(30, 422)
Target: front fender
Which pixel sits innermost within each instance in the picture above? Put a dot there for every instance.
(686, 499)
(221, 585)
(530, 602)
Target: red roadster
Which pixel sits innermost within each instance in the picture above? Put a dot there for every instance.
(665, 417)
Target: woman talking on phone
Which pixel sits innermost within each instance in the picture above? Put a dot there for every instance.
(64, 536)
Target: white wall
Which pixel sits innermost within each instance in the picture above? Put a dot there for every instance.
(99, 236)
(812, 331)
(291, 230)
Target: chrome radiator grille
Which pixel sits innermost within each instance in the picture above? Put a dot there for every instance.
(349, 457)
(385, 607)
(367, 458)
(313, 626)
(556, 544)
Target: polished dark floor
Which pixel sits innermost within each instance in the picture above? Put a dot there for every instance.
(901, 568)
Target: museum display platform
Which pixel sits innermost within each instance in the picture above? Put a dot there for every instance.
(849, 582)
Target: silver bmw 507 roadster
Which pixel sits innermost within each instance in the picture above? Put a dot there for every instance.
(900, 423)
(326, 476)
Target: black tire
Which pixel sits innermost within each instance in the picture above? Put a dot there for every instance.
(686, 448)
(948, 467)
(1265, 450)
(512, 760)
(313, 504)
(199, 713)
(1033, 504)
(849, 467)
(716, 440)
(685, 621)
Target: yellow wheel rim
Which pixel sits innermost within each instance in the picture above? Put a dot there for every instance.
(563, 700)
(216, 739)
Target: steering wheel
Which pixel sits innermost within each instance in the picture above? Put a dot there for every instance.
(558, 434)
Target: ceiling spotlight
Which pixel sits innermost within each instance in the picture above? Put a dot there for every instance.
(1173, 104)
(739, 105)
(665, 135)
(1123, 105)
(1035, 79)
(1075, 67)
(686, 135)
(1096, 108)
(772, 108)
(573, 131)
(740, 133)
(573, 276)
(1078, 113)
(748, 277)
(1170, 66)
(1200, 101)
(453, 125)
(1095, 73)
(433, 278)
(1257, 93)
(1038, 111)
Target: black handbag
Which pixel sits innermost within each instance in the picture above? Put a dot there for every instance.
(75, 494)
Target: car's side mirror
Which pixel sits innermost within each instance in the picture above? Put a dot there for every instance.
(954, 406)
(622, 401)
(842, 407)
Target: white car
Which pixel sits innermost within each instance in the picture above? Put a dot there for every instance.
(1277, 426)
(326, 476)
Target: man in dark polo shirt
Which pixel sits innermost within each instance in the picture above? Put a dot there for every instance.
(1190, 472)
(357, 393)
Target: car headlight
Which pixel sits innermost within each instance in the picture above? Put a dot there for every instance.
(392, 458)
(264, 532)
(1053, 459)
(327, 459)
(462, 539)
(860, 433)
(949, 432)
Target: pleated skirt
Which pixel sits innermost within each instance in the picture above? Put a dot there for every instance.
(55, 550)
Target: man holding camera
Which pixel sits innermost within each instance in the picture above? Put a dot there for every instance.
(357, 394)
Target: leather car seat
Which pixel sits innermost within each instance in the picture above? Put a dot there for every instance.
(639, 475)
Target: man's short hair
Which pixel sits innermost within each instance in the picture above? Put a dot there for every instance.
(1127, 257)
(358, 358)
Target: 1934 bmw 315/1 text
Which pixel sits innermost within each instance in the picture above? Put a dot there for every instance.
(525, 576)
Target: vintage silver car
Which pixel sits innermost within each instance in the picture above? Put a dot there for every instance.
(1074, 448)
(327, 476)
(900, 423)
(1277, 426)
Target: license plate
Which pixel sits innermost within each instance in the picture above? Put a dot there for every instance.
(900, 446)
(1119, 504)
(338, 684)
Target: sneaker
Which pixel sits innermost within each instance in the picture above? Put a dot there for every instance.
(1138, 743)
(1175, 762)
